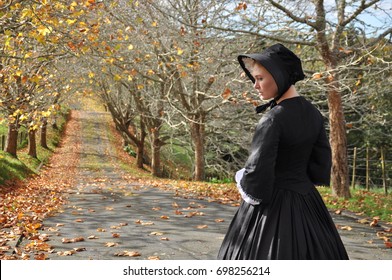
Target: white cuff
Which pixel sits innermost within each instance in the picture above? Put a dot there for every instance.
(247, 198)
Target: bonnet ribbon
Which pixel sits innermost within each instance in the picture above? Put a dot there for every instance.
(262, 108)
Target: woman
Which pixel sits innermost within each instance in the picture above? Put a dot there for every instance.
(282, 215)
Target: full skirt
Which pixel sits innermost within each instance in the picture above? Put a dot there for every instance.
(292, 226)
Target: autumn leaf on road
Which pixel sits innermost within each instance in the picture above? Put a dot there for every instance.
(140, 222)
(41, 256)
(128, 254)
(156, 233)
(66, 253)
(72, 240)
(92, 237)
(202, 226)
(346, 228)
(111, 244)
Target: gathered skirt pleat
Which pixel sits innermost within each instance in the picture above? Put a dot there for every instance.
(292, 226)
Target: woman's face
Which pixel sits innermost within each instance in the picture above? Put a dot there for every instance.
(264, 82)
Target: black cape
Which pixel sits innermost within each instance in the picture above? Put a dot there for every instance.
(285, 217)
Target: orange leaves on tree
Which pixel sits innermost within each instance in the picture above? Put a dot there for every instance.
(226, 93)
(241, 6)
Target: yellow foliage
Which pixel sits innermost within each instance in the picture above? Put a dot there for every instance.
(44, 30)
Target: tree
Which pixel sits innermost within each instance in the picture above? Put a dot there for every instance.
(34, 34)
(322, 26)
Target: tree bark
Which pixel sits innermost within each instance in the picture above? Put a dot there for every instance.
(43, 140)
(198, 138)
(32, 144)
(156, 153)
(338, 139)
(12, 140)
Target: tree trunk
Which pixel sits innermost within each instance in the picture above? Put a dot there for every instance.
(32, 144)
(140, 154)
(198, 141)
(43, 140)
(156, 154)
(12, 139)
(338, 139)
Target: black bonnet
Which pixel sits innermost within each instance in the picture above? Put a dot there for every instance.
(284, 66)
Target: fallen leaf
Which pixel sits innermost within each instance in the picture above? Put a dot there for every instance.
(165, 239)
(66, 240)
(59, 225)
(79, 249)
(72, 240)
(78, 239)
(109, 208)
(101, 230)
(93, 237)
(374, 223)
(388, 244)
(41, 256)
(178, 212)
(219, 220)
(202, 226)
(140, 222)
(163, 217)
(66, 253)
(156, 233)
(338, 212)
(128, 254)
(115, 235)
(123, 224)
(175, 205)
(156, 208)
(110, 244)
(5, 248)
(79, 221)
(346, 228)
(363, 221)
(153, 258)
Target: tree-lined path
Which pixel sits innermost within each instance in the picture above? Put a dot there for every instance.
(109, 215)
(116, 216)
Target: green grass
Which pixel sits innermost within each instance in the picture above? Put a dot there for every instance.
(373, 203)
(24, 166)
(12, 168)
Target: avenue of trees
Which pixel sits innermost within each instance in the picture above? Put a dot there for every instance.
(166, 71)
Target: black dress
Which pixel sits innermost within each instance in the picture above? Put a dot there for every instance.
(282, 215)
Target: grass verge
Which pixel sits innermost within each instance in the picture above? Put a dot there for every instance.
(372, 203)
(19, 168)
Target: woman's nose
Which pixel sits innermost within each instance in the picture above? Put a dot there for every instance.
(255, 85)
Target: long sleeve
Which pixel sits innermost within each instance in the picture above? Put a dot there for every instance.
(319, 167)
(256, 185)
